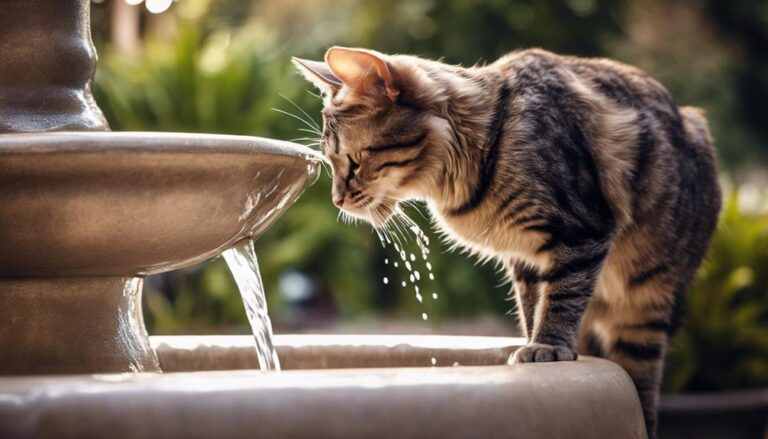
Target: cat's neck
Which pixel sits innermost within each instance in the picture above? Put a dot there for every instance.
(468, 112)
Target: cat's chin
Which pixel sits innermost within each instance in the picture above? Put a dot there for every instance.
(377, 215)
(382, 215)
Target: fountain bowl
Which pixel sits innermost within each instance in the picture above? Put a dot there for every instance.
(86, 215)
(126, 204)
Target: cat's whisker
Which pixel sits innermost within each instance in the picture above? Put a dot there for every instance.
(325, 165)
(405, 218)
(313, 140)
(396, 235)
(314, 94)
(311, 131)
(407, 222)
(314, 123)
(387, 233)
(417, 206)
(380, 231)
(376, 229)
(289, 114)
(389, 227)
(399, 228)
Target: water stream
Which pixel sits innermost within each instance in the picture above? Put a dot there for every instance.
(245, 269)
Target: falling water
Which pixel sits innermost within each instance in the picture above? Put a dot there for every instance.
(245, 269)
(409, 261)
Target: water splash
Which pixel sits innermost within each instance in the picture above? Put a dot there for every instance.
(410, 261)
(245, 269)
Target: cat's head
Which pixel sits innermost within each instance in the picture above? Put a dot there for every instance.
(379, 130)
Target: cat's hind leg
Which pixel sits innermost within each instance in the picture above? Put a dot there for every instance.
(590, 342)
(634, 334)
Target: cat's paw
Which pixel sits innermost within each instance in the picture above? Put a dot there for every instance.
(540, 353)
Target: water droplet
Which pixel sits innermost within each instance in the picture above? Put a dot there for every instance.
(416, 273)
(413, 257)
(397, 247)
(402, 254)
(386, 281)
(429, 266)
(404, 283)
(424, 316)
(395, 264)
(431, 276)
(434, 296)
(419, 298)
(433, 360)
(408, 265)
(386, 260)
(412, 279)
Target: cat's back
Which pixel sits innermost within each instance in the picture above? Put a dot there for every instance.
(622, 83)
(594, 99)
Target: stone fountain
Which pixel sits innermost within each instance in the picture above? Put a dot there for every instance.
(87, 213)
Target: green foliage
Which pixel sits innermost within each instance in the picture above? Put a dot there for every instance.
(214, 84)
(724, 342)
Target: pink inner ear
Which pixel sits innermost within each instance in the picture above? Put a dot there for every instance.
(361, 70)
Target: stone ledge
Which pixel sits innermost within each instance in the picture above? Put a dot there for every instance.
(581, 399)
(318, 351)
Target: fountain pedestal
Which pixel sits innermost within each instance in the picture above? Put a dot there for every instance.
(75, 325)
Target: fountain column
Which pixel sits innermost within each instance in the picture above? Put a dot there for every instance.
(47, 61)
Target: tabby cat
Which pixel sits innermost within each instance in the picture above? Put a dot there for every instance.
(581, 176)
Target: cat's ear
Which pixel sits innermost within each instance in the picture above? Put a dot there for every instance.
(363, 71)
(318, 73)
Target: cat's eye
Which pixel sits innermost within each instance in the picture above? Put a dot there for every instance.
(354, 160)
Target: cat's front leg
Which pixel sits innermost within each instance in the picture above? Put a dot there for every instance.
(526, 287)
(565, 291)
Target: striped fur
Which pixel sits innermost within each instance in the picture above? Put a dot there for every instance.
(582, 176)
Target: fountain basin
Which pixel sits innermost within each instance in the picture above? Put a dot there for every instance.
(127, 204)
(86, 215)
(485, 398)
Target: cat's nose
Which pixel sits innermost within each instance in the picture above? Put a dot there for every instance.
(338, 200)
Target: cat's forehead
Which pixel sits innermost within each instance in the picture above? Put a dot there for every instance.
(346, 136)
(348, 113)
